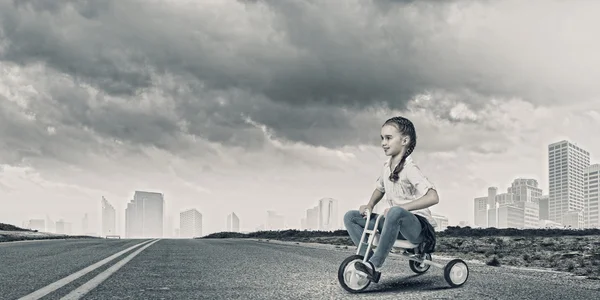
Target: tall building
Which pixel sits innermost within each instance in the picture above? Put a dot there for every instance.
(190, 223)
(492, 193)
(233, 223)
(145, 215)
(480, 207)
(566, 163)
(328, 214)
(525, 190)
(109, 219)
(543, 207)
(526, 196)
(531, 214)
(312, 218)
(495, 201)
(517, 208)
(592, 201)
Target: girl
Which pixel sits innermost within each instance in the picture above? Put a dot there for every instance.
(407, 191)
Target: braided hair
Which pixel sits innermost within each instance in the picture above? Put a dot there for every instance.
(406, 127)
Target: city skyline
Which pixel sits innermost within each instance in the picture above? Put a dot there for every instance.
(537, 210)
(263, 225)
(267, 111)
(571, 199)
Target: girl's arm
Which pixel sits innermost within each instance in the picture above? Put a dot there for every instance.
(429, 199)
(375, 197)
(423, 187)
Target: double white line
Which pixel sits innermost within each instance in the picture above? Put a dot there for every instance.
(94, 282)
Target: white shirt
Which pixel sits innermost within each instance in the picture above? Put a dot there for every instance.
(411, 185)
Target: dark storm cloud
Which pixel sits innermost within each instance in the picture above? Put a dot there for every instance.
(168, 72)
(297, 57)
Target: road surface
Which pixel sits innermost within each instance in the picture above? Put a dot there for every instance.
(243, 269)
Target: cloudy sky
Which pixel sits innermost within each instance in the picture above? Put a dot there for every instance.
(249, 106)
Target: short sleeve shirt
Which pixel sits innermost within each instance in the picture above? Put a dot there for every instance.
(411, 185)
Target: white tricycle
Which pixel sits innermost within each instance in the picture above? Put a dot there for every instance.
(456, 271)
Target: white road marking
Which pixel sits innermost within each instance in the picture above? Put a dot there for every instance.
(62, 282)
(94, 282)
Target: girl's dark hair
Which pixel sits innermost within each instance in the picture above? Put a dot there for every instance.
(406, 127)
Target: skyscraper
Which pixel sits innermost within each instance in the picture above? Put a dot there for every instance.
(543, 207)
(525, 190)
(328, 214)
(190, 223)
(526, 197)
(109, 220)
(566, 163)
(145, 215)
(480, 209)
(592, 201)
(233, 223)
(517, 208)
(312, 218)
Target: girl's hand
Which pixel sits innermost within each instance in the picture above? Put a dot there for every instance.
(363, 209)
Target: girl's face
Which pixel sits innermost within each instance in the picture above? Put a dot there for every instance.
(392, 141)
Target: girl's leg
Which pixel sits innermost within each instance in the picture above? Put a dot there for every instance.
(399, 223)
(355, 224)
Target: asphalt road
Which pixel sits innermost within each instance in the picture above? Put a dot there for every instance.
(245, 269)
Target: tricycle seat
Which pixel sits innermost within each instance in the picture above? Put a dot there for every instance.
(403, 244)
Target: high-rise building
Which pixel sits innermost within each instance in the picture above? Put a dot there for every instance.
(525, 190)
(233, 223)
(526, 196)
(190, 223)
(592, 201)
(517, 208)
(109, 220)
(543, 207)
(145, 215)
(480, 207)
(530, 212)
(328, 214)
(492, 193)
(312, 218)
(566, 163)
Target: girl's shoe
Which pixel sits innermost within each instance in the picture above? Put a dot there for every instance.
(371, 275)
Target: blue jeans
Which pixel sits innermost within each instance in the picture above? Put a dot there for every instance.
(399, 224)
